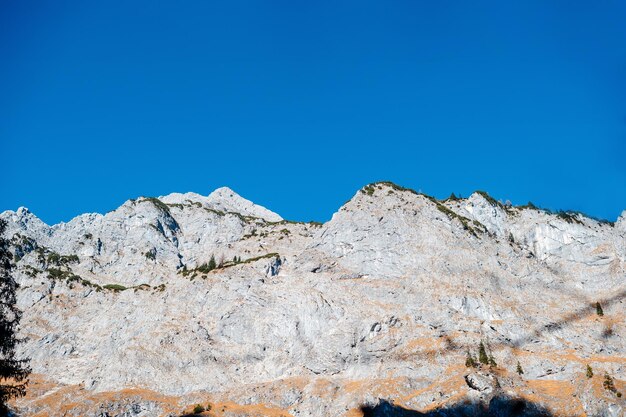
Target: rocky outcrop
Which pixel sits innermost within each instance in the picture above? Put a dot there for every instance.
(215, 299)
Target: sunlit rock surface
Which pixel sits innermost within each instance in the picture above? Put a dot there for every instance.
(376, 308)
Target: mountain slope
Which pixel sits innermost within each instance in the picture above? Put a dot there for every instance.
(382, 301)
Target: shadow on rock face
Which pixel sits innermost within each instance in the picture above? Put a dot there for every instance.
(498, 407)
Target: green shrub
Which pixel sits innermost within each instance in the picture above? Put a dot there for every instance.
(198, 409)
(58, 260)
(158, 204)
(464, 220)
(589, 372)
(489, 198)
(568, 216)
(151, 254)
(395, 186)
(55, 273)
(519, 369)
(599, 310)
(249, 235)
(257, 258)
(54, 258)
(528, 205)
(205, 268)
(31, 271)
(65, 259)
(368, 189)
(114, 287)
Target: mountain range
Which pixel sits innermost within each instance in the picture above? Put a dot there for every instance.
(400, 302)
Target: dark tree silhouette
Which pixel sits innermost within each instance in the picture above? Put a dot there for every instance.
(482, 354)
(13, 372)
(212, 263)
(492, 362)
(470, 362)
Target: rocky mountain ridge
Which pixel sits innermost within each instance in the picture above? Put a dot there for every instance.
(194, 298)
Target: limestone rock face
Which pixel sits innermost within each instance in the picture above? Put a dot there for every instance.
(381, 303)
(226, 199)
(621, 222)
(481, 382)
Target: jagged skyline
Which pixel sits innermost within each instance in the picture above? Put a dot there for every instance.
(297, 106)
(309, 319)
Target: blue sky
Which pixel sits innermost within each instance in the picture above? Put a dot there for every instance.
(295, 105)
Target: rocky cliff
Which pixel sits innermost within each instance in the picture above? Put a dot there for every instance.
(179, 300)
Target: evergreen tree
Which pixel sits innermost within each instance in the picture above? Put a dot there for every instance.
(599, 311)
(589, 371)
(492, 362)
(13, 372)
(212, 264)
(482, 354)
(609, 385)
(519, 369)
(234, 259)
(470, 362)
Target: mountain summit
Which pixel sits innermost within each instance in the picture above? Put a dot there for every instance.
(226, 199)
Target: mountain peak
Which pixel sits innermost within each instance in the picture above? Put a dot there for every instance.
(224, 192)
(226, 199)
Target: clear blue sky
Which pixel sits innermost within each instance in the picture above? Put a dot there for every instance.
(295, 105)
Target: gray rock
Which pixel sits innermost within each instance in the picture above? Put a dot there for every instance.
(395, 287)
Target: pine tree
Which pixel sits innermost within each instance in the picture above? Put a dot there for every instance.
(609, 385)
(492, 362)
(482, 354)
(470, 362)
(14, 370)
(519, 369)
(589, 371)
(212, 264)
(599, 311)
